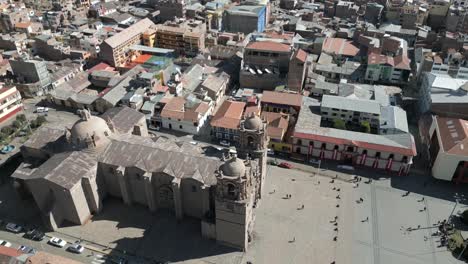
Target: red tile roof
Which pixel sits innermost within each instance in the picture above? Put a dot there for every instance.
(340, 46)
(228, 115)
(100, 67)
(282, 98)
(454, 135)
(22, 24)
(301, 55)
(277, 124)
(285, 35)
(252, 109)
(399, 62)
(176, 109)
(268, 46)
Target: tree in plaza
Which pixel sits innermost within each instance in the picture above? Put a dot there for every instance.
(40, 120)
(21, 118)
(8, 130)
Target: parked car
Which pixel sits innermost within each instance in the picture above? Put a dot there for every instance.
(119, 260)
(76, 248)
(272, 162)
(58, 242)
(5, 243)
(27, 249)
(285, 165)
(12, 227)
(270, 152)
(7, 149)
(345, 167)
(41, 109)
(224, 143)
(34, 234)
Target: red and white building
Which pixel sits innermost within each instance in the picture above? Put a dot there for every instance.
(446, 140)
(10, 102)
(390, 152)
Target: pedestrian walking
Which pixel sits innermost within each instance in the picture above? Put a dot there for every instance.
(365, 220)
(335, 238)
(338, 197)
(332, 181)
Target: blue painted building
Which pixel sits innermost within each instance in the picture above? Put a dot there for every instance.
(245, 19)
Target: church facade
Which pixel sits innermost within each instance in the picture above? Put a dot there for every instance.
(69, 173)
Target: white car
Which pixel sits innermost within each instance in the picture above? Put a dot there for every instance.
(270, 152)
(76, 248)
(5, 243)
(12, 227)
(58, 242)
(41, 109)
(224, 143)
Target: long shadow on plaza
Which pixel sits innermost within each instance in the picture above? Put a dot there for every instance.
(431, 187)
(163, 238)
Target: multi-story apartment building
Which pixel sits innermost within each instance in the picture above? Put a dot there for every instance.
(32, 77)
(454, 64)
(186, 38)
(245, 19)
(406, 13)
(49, 48)
(169, 9)
(457, 19)
(9, 18)
(438, 9)
(115, 50)
(10, 102)
(16, 42)
(266, 64)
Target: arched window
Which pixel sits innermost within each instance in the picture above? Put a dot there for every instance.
(231, 190)
(250, 141)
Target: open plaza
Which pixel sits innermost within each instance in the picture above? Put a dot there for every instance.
(295, 223)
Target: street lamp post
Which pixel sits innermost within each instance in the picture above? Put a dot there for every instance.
(318, 168)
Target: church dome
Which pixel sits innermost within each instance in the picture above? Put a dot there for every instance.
(90, 129)
(233, 167)
(253, 122)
